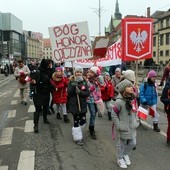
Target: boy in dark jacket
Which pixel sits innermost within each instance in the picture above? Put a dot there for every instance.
(165, 98)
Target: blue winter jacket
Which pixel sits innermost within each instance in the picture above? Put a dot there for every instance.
(148, 94)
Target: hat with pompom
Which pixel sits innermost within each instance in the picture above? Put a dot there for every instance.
(151, 73)
(123, 84)
(95, 70)
(129, 74)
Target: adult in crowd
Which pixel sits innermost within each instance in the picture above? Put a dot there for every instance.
(21, 71)
(78, 92)
(41, 95)
(116, 78)
(165, 98)
(32, 67)
(165, 74)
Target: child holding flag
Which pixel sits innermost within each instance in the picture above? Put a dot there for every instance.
(125, 121)
(148, 97)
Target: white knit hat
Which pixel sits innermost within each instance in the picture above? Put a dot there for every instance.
(95, 70)
(129, 74)
(78, 69)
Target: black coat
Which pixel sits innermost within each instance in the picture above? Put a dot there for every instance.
(42, 88)
(73, 97)
(165, 97)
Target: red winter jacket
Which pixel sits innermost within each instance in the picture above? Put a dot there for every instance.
(107, 91)
(60, 96)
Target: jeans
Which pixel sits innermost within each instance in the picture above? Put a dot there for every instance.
(93, 111)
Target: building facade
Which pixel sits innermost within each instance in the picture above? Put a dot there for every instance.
(161, 37)
(47, 49)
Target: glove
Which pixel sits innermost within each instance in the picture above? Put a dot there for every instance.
(74, 83)
(144, 103)
(77, 90)
(161, 83)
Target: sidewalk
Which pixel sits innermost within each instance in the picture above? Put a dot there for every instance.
(3, 78)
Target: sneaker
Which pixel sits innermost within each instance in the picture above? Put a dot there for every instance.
(121, 163)
(79, 142)
(127, 160)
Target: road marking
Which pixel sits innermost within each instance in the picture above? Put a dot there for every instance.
(31, 109)
(14, 102)
(11, 113)
(6, 137)
(151, 127)
(17, 93)
(26, 160)
(3, 167)
(29, 126)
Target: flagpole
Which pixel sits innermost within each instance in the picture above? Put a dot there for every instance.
(136, 72)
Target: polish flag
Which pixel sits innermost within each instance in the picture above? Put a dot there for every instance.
(142, 113)
(151, 112)
(27, 79)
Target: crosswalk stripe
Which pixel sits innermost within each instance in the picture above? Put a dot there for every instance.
(14, 102)
(11, 113)
(31, 109)
(3, 167)
(6, 137)
(26, 160)
(17, 93)
(29, 126)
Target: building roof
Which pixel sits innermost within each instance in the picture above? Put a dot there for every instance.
(47, 42)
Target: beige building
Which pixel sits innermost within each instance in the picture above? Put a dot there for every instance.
(161, 37)
(47, 49)
(34, 46)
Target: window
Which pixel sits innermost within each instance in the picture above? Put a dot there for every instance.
(154, 41)
(167, 38)
(161, 53)
(161, 24)
(167, 22)
(167, 53)
(154, 54)
(161, 39)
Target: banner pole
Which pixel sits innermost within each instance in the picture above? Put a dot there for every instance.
(137, 72)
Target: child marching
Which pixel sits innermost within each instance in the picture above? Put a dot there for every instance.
(78, 92)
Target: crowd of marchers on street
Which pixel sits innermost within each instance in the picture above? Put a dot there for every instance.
(57, 90)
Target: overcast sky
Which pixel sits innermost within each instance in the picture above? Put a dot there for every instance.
(38, 15)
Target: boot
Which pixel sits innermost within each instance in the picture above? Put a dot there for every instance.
(109, 116)
(58, 116)
(66, 119)
(35, 128)
(46, 121)
(92, 132)
(155, 127)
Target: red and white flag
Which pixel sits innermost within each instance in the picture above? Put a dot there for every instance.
(151, 112)
(142, 113)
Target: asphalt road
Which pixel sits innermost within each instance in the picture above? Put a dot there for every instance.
(54, 149)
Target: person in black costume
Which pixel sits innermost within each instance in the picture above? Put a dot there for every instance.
(41, 95)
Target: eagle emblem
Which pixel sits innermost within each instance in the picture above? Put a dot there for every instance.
(138, 39)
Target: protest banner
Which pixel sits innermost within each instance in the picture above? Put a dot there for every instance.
(113, 57)
(70, 42)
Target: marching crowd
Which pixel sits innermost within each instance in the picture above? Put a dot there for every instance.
(59, 90)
